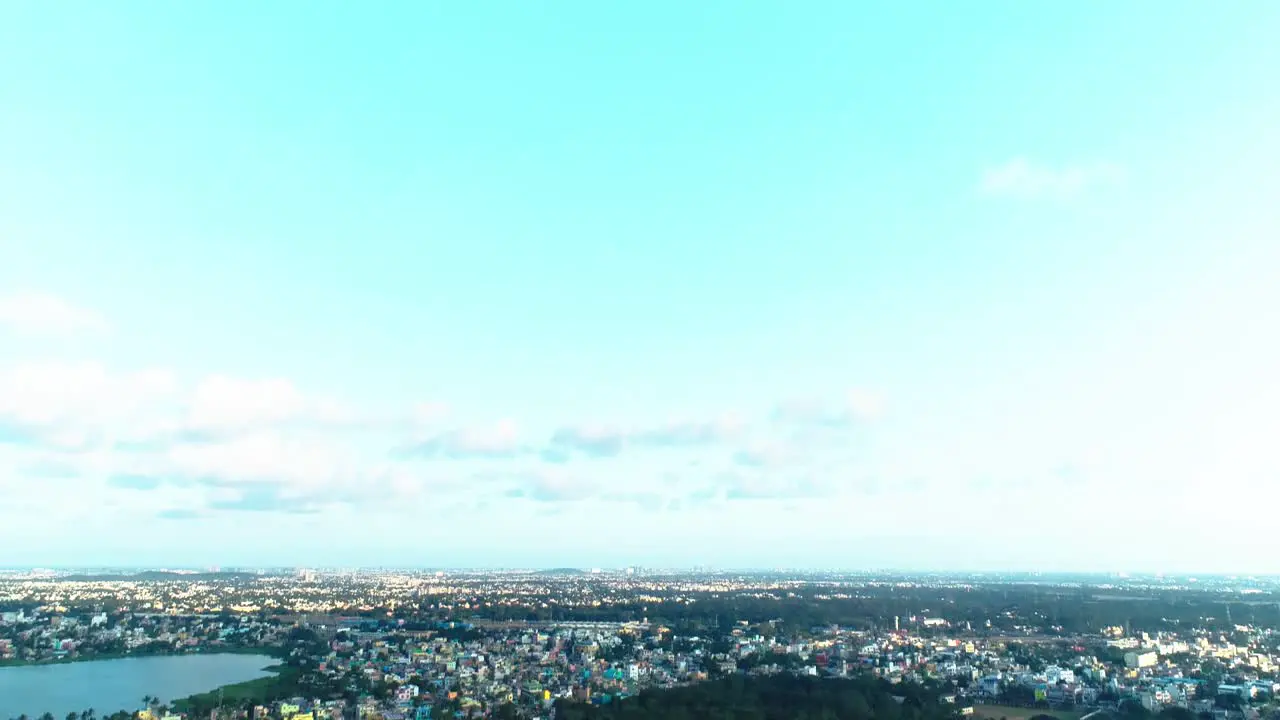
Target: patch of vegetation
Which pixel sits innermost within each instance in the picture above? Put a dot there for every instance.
(775, 697)
(280, 686)
(1010, 712)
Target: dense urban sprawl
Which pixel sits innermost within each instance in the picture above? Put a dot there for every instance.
(426, 645)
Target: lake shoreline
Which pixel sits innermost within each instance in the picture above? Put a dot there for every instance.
(270, 651)
(118, 684)
(258, 690)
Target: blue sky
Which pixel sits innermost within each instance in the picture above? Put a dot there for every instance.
(863, 285)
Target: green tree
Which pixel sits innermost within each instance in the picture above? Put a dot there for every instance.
(1133, 710)
(1176, 713)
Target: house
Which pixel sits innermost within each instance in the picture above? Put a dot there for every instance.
(406, 693)
(989, 685)
(1244, 692)
(1141, 659)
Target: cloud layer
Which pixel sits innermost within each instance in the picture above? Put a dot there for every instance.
(1022, 178)
(194, 448)
(222, 444)
(43, 314)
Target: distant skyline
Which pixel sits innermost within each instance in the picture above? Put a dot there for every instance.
(875, 574)
(912, 285)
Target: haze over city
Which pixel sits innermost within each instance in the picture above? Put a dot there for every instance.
(670, 285)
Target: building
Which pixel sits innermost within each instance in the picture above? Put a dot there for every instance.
(989, 685)
(1141, 659)
(1054, 674)
(1244, 692)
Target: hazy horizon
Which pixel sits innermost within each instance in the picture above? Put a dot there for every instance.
(873, 572)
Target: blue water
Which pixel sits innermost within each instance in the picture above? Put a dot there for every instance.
(111, 685)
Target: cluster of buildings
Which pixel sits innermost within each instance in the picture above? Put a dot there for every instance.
(434, 674)
(397, 646)
(46, 635)
(418, 673)
(1212, 674)
(307, 591)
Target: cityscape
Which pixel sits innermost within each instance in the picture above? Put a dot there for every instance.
(396, 644)
(658, 360)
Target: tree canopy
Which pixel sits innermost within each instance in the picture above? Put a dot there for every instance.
(775, 697)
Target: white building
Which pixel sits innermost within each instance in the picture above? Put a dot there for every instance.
(1141, 659)
(1054, 674)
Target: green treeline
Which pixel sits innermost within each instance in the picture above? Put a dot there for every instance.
(776, 697)
(1005, 607)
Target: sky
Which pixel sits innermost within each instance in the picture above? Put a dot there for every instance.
(917, 285)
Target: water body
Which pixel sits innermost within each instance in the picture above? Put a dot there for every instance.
(111, 685)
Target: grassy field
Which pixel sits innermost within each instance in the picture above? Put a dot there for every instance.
(996, 712)
(261, 690)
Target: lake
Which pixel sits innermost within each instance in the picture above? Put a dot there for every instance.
(111, 685)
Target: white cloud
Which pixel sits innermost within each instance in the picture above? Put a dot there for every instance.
(44, 314)
(762, 453)
(550, 484)
(47, 480)
(226, 404)
(500, 440)
(856, 405)
(602, 440)
(264, 457)
(752, 485)
(502, 436)
(83, 405)
(1022, 178)
(864, 404)
(430, 413)
(236, 444)
(677, 433)
(69, 403)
